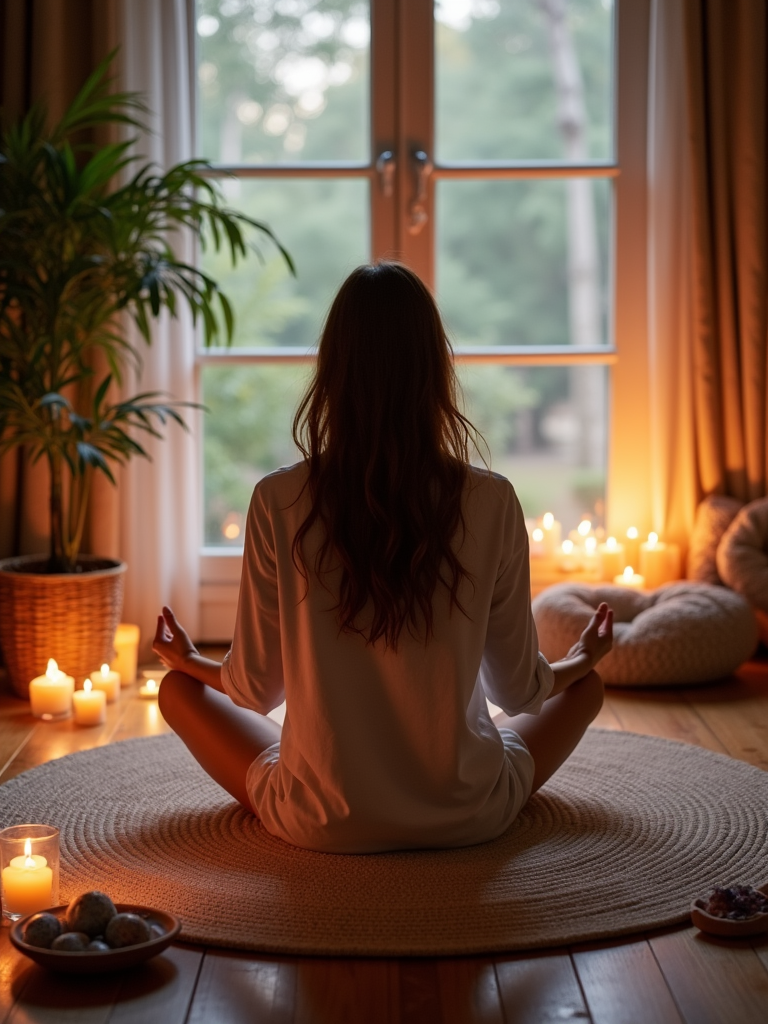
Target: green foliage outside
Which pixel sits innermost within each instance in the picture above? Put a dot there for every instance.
(287, 81)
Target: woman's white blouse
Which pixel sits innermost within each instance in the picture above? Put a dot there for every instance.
(383, 750)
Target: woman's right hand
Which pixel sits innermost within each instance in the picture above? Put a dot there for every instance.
(597, 639)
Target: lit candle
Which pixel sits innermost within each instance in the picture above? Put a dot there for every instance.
(654, 561)
(51, 695)
(553, 531)
(90, 705)
(591, 557)
(538, 548)
(107, 681)
(630, 578)
(27, 883)
(584, 528)
(126, 652)
(612, 559)
(569, 559)
(632, 544)
(149, 690)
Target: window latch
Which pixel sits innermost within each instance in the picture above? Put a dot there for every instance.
(423, 167)
(386, 166)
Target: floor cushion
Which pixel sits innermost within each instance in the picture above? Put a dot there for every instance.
(681, 633)
(742, 559)
(713, 517)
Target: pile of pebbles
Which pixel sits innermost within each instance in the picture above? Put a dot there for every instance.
(91, 924)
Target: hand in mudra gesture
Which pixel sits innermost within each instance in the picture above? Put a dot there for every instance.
(172, 644)
(597, 639)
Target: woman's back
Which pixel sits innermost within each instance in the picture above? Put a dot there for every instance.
(386, 748)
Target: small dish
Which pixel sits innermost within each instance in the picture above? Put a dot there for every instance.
(98, 963)
(727, 928)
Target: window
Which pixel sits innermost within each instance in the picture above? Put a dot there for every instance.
(476, 140)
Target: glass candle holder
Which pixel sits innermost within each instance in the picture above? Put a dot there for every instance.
(29, 863)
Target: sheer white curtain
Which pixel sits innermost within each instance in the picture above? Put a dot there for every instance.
(159, 501)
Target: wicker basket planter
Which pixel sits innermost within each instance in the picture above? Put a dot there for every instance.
(71, 617)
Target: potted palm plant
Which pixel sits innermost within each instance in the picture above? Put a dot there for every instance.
(88, 239)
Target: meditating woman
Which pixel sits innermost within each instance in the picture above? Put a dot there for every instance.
(385, 594)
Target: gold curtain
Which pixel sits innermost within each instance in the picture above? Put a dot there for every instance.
(47, 50)
(726, 64)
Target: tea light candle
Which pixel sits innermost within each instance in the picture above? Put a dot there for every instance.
(107, 681)
(630, 578)
(632, 545)
(126, 652)
(150, 690)
(90, 705)
(553, 531)
(27, 883)
(612, 559)
(50, 696)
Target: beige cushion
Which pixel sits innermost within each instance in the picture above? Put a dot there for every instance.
(742, 558)
(681, 633)
(713, 517)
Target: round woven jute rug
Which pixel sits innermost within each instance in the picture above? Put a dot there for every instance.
(621, 839)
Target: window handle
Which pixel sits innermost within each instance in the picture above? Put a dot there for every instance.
(422, 167)
(386, 165)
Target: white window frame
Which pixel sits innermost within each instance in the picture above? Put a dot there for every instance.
(400, 126)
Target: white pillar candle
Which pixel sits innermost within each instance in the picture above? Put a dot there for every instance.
(553, 531)
(27, 883)
(50, 696)
(568, 560)
(591, 557)
(126, 652)
(630, 578)
(107, 681)
(538, 547)
(653, 561)
(90, 705)
(632, 545)
(612, 559)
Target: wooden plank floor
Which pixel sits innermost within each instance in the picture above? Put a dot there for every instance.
(671, 977)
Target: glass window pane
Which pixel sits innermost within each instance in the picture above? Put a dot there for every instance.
(324, 224)
(525, 262)
(524, 80)
(545, 427)
(247, 434)
(283, 82)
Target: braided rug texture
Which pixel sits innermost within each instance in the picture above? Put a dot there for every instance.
(621, 839)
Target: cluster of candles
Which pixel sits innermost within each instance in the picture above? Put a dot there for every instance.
(53, 696)
(628, 563)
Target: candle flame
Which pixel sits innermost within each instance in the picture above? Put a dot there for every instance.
(547, 520)
(152, 685)
(105, 671)
(28, 862)
(567, 547)
(53, 669)
(632, 533)
(611, 544)
(653, 540)
(538, 535)
(87, 685)
(629, 572)
(584, 527)
(590, 544)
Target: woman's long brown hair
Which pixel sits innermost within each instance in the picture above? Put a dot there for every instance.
(387, 451)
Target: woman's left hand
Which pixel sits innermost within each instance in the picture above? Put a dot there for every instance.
(171, 644)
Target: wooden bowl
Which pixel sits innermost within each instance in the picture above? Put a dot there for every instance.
(100, 962)
(728, 929)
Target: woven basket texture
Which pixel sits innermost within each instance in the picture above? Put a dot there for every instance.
(621, 839)
(71, 617)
